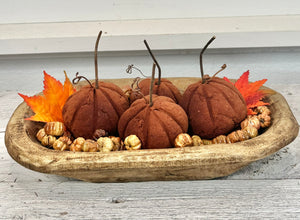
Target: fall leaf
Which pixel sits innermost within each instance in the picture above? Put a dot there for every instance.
(251, 91)
(48, 107)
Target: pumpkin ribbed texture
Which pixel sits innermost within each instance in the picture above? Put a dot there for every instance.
(156, 126)
(213, 108)
(90, 109)
(134, 95)
(166, 88)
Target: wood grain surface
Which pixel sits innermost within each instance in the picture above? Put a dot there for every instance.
(216, 199)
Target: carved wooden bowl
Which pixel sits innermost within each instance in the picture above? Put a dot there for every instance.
(190, 163)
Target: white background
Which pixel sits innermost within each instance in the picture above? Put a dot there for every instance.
(262, 36)
(28, 11)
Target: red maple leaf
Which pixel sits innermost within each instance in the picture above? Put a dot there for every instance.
(48, 107)
(251, 92)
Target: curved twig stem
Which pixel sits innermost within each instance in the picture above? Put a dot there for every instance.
(155, 61)
(151, 85)
(78, 78)
(222, 68)
(136, 82)
(142, 96)
(210, 78)
(131, 66)
(96, 60)
(202, 51)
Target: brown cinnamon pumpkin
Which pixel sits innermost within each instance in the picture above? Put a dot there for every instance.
(155, 120)
(214, 106)
(90, 109)
(95, 106)
(156, 126)
(162, 87)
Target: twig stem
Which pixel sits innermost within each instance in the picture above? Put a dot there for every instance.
(222, 68)
(78, 78)
(155, 61)
(202, 51)
(96, 60)
(151, 85)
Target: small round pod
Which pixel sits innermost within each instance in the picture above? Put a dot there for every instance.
(155, 120)
(214, 106)
(162, 87)
(95, 106)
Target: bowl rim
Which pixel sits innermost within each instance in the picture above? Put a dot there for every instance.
(283, 130)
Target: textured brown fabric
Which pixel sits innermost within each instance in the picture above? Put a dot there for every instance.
(90, 109)
(156, 126)
(134, 95)
(214, 108)
(166, 88)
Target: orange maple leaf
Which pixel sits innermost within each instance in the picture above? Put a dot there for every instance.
(251, 91)
(48, 107)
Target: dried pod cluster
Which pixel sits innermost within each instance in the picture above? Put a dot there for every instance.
(44, 138)
(54, 135)
(63, 143)
(249, 129)
(51, 131)
(251, 121)
(264, 116)
(82, 145)
(103, 143)
(185, 140)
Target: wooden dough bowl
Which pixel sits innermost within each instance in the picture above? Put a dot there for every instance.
(190, 163)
